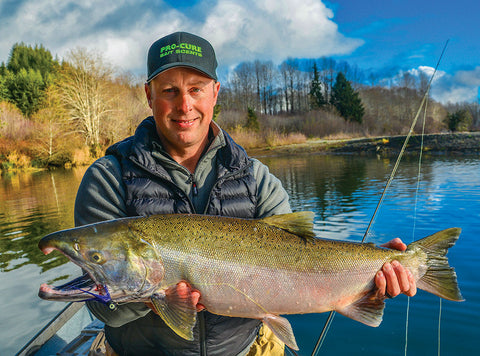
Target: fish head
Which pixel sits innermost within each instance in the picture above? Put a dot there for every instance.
(119, 264)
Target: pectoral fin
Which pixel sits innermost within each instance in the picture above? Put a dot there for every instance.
(367, 310)
(282, 329)
(178, 311)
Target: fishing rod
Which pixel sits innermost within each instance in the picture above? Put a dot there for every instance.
(329, 320)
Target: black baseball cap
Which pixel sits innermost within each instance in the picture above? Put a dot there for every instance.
(181, 49)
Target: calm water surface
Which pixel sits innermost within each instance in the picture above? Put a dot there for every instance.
(342, 191)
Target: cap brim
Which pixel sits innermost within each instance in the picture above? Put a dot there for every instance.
(176, 65)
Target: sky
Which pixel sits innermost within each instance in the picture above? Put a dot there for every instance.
(388, 37)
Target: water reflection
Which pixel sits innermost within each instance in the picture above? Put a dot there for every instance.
(344, 190)
(32, 205)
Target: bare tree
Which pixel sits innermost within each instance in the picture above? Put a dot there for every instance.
(242, 85)
(288, 69)
(265, 82)
(328, 73)
(84, 92)
(128, 108)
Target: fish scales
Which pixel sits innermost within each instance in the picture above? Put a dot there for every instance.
(251, 242)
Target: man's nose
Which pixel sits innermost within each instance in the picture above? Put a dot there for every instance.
(184, 103)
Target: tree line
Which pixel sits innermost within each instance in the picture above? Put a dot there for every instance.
(326, 91)
(55, 112)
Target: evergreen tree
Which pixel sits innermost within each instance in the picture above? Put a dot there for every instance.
(252, 120)
(346, 100)
(28, 73)
(3, 70)
(460, 120)
(216, 111)
(3, 88)
(317, 99)
(25, 89)
(28, 57)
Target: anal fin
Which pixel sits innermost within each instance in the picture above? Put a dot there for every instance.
(367, 310)
(282, 329)
(177, 309)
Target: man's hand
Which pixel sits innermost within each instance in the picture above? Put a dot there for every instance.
(182, 289)
(393, 279)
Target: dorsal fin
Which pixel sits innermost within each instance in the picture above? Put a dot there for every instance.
(299, 223)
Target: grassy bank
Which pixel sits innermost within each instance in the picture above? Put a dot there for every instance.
(464, 143)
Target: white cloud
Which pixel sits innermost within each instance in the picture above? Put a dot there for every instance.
(64, 25)
(274, 30)
(462, 86)
(469, 77)
(454, 94)
(123, 30)
(428, 71)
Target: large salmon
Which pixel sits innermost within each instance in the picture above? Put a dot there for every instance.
(242, 268)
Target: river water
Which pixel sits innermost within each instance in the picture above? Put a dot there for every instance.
(342, 191)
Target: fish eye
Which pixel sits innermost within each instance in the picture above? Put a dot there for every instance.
(96, 257)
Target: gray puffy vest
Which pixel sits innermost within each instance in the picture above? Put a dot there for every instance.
(150, 190)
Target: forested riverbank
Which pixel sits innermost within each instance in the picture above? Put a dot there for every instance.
(66, 113)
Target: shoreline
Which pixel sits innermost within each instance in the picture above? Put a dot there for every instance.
(461, 143)
(464, 143)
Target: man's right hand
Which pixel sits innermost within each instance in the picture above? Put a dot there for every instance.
(183, 289)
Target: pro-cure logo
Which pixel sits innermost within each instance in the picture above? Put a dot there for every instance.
(185, 48)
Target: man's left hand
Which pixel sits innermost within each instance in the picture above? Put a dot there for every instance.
(394, 279)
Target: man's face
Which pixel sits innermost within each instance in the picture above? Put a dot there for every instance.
(182, 101)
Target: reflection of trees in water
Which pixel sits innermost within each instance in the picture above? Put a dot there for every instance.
(32, 205)
(335, 185)
(325, 184)
(19, 247)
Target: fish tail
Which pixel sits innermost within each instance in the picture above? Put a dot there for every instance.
(439, 278)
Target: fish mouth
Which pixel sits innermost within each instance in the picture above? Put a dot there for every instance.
(82, 288)
(79, 289)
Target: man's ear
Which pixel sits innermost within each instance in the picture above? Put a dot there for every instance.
(216, 89)
(148, 93)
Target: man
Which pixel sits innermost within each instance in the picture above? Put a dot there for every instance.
(180, 161)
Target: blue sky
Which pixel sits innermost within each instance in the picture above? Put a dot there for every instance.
(387, 37)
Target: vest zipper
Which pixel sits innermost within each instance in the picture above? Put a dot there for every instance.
(191, 180)
(194, 187)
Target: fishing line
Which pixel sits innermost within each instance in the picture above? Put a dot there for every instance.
(325, 329)
(387, 185)
(419, 173)
(439, 323)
